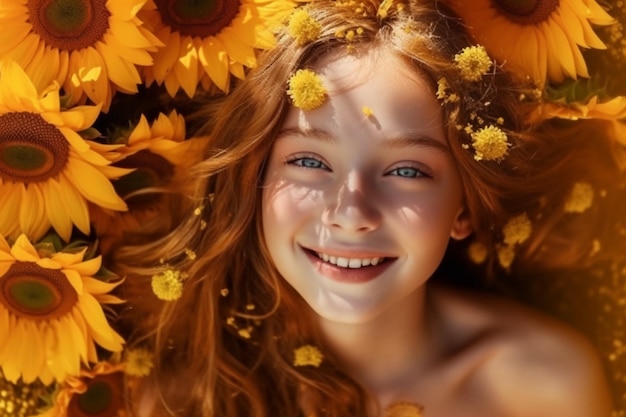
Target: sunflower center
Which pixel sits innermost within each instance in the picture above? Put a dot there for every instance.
(198, 18)
(526, 12)
(31, 149)
(69, 24)
(151, 170)
(102, 398)
(35, 293)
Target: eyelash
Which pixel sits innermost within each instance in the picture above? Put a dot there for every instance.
(419, 173)
(299, 161)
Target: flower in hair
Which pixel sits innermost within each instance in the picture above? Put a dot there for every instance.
(303, 27)
(490, 143)
(538, 39)
(168, 285)
(517, 230)
(580, 198)
(477, 252)
(442, 92)
(138, 362)
(473, 62)
(506, 255)
(306, 90)
(308, 355)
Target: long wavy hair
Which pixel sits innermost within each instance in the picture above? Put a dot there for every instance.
(225, 347)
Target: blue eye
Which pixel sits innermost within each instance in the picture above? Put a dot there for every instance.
(408, 172)
(308, 162)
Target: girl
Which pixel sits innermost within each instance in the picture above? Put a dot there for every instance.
(341, 175)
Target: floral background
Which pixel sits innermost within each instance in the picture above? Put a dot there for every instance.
(89, 120)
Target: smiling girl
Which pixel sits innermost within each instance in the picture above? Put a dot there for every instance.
(323, 215)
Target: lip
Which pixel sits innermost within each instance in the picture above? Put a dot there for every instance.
(348, 275)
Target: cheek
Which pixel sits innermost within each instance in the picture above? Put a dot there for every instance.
(287, 205)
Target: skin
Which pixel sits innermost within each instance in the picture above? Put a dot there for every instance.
(345, 184)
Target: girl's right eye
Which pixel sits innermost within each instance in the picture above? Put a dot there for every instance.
(307, 162)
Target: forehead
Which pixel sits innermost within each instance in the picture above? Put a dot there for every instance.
(400, 96)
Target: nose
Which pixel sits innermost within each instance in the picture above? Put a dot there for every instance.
(351, 208)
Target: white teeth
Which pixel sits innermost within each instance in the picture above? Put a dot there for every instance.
(343, 262)
(349, 262)
(355, 263)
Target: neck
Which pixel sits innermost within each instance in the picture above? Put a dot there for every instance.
(387, 352)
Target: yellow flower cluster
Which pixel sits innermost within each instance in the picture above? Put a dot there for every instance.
(473, 62)
(139, 362)
(168, 285)
(516, 231)
(580, 198)
(308, 355)
(303, 27)
(306, 90)
(490, 143)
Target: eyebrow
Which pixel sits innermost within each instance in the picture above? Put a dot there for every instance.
(404, 140)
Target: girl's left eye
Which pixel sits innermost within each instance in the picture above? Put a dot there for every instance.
(408, 172)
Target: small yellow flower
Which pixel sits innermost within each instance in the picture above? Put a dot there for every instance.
(367, 111)
(473, 62)
(303, 27)
(517, 230)
(442, 92)
(580, 199)
(167, 285)
(477, 252)
(138, 362)
(190, 254)
(306, 90)
(308, 355)
(224, 292)
(506, 254)
(490, 143)
(245, 333)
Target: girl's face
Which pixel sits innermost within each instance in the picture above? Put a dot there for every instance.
(358, 209)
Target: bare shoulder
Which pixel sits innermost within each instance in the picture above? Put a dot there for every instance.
(529, 364)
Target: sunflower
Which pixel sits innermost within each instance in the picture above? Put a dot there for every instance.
(50, 312)
(97, 392)
(539, 39)
(48, 172)
(612, 109)
(91, 47)
(156, 153)
(207, 41)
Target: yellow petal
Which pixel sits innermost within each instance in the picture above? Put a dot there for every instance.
(125, 9)
(215, 61)
(98, 325)
(121, 72)
(88, 269)
(94, 186)
(128, 33)
(75, 280)
(33, 219)
(55, 208)
(73, 204)
(19, 86)
(186, 68)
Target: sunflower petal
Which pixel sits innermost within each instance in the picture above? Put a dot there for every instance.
(215, 62)
(99, 328)
(94, 186)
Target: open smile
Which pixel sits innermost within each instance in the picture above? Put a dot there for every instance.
(348, 269)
